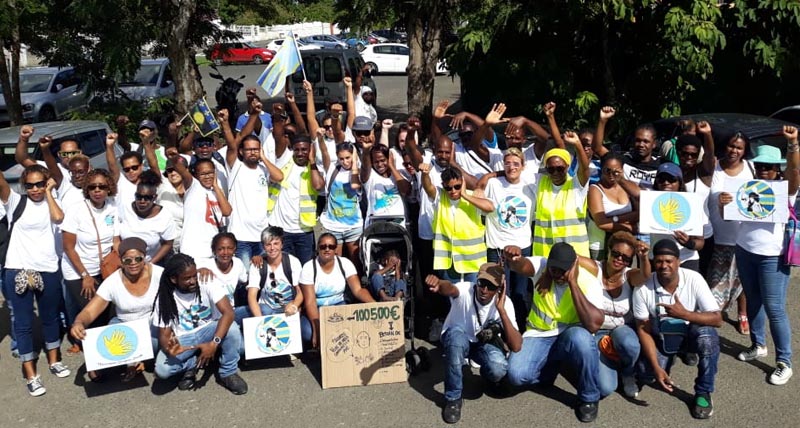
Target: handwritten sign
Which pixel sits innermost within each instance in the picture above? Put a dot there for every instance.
(666, 212)
(362, 344)
(117, 344)
(757, 200)
(271, 335)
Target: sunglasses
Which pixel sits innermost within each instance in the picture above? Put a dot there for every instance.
(361, 133)
(127, 261)
(487, 285)
(272, 284)
(69, 154)
(666, 178)
(204, 143)
(617, 255)
(609, 171)
(131, 168)
(327, 127)
(763, 166)
(169, 171)
(141, 197)
(39, 184)
(555, 169)
(690, 155)
(466, 134)
(324, 247)
(92, 187)
(454, 187)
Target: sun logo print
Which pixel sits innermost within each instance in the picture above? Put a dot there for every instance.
(117, 342)
(671, 211)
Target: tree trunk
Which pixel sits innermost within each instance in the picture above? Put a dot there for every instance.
(10, 77)
(424, 41)
(188, 88)
(608, 71)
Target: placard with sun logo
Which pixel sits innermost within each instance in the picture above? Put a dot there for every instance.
(763, 201)
(667, 212)
(117, 344)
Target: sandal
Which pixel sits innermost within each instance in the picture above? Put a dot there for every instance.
(75, 349)
(132, 372)
(744, 325)
(95, 376)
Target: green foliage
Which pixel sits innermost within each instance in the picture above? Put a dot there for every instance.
(107, 111)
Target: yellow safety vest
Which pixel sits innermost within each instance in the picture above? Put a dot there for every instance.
(308, 195)
(458, 240)
(559, 219)
(546, 315)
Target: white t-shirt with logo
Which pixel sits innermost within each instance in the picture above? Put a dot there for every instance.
(249, 192)
(329, 287)
(130, 307)
(228, 281)
(463, 311)
(200, 215)
(195, 310)
(283, 292)
(514, 206)
(33, 240)
(383, 197)
(152, 230)
(342, 212)
(78, 222)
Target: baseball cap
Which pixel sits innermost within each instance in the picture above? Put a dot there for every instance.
(365, 89)
(362, 123)
(666, 247)
(562, 256)
(671, 169)
(491, 272)
(149, 124)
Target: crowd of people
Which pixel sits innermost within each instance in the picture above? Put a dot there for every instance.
(531, 255)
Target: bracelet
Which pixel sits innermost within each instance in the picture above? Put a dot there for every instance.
(690, 244)
(793, 148)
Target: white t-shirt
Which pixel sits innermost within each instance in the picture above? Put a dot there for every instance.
(248, 195)
(78, 222)
(699, 187)
(692, 291)
(463, 311)
(126, 192)
(383, 197)
(725, 231)
(474, 165)
(594, 294)
(510, 222)
(172, 202)
(227, 281)
(33, 242)
(616, 310)
(152, 231)
(342, 212)
(330, 146)
(286, 213)
(194, 311)
(530, 173)
(200, 215)
(764, 239)
(68, 194)
(276, 297)
(128, 306)
(426, 209)
(329, 287)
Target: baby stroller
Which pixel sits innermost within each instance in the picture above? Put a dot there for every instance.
(377, 238)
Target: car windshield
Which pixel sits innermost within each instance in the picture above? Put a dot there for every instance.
(7, 156)
(248, 46)
(33, 83)
(147, 75)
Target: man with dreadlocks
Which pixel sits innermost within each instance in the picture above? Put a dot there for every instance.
(194, 319)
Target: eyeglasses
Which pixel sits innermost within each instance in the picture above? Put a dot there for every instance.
(327, 127)
(617, 255)
(324, 247)
(609, 171)
(763, 166)
(690, 155)
(40, 184)
(141, 197)
(555, 169)
(454, 187)
(487, 285)
(169, 171)
(204, 143)
(92, 187)
(666, 178)
(69, 154)
(131, 168)
(127, 261)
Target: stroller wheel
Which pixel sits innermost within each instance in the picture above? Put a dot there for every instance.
(413, 363)
(425, 359)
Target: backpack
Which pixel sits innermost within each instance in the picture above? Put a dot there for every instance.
(6, 228)
(286, 264)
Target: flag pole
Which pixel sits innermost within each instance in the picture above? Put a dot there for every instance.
(297, 48)
(183, 118)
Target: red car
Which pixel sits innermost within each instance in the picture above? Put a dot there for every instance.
(224, 53)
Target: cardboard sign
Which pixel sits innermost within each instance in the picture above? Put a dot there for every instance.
(757, 200)
(272, 335)
(117, 344)
(666, 212)
(362, 344)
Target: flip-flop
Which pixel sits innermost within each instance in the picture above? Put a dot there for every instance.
(75, 349)
(132, 371)
(95, 376)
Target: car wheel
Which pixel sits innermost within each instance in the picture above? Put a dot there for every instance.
(218, 61)
(373, 67)
(46, 114)
(257, 60)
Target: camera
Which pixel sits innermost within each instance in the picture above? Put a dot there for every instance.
(491, 334)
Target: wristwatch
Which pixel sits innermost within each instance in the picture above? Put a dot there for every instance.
(216, 340)
(615, 219)
(84, 274)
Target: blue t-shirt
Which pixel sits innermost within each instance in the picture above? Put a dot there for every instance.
(266, 121)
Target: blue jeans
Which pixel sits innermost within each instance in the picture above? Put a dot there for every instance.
(242, 312)
(306, 329)
(167, 366)
(702, 340)
(153, 333)
(457, 347)
(516, 286)
(454, 277)
(626, 343)
(539, 358)
(301, 245)
(7, 296)
(377, 283)
(246, 250)
(765, 280)
(48, 302)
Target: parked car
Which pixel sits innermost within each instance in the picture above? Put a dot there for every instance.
(276, 44)
(390, 58)
(325, 69)
(392, 36)
(353, 40)
(152, 80)
(226, 53)
(327, 41)
(48, 93)
(379, 38)
(90, 135)
(789, 114)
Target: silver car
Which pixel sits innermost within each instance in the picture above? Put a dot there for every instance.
(48, 93)
(326, 41)
(90, 135)
(152, 80)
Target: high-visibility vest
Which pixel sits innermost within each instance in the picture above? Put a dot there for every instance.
(559, 218)
(308, 195)
(546, 315)
(458, 240)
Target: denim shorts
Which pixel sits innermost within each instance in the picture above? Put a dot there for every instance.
(350, 235)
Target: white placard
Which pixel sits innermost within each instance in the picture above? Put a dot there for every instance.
(117, 344)
(272, 335)
(666, 212)
(757, 201)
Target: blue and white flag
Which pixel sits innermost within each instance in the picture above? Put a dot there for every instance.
(286, 61)
(203, 117)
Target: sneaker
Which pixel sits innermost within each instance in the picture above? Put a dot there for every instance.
(452, 411)
(59, 369)
(754, 352)
(187, 380)
(586, 412)
(235, 384)
(14, 353)
(690, 359)
(35, 387)
(629, 386)
(703, 408)
(474, 364)
(781, 374)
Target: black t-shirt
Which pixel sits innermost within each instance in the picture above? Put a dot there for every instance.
(640, 172)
